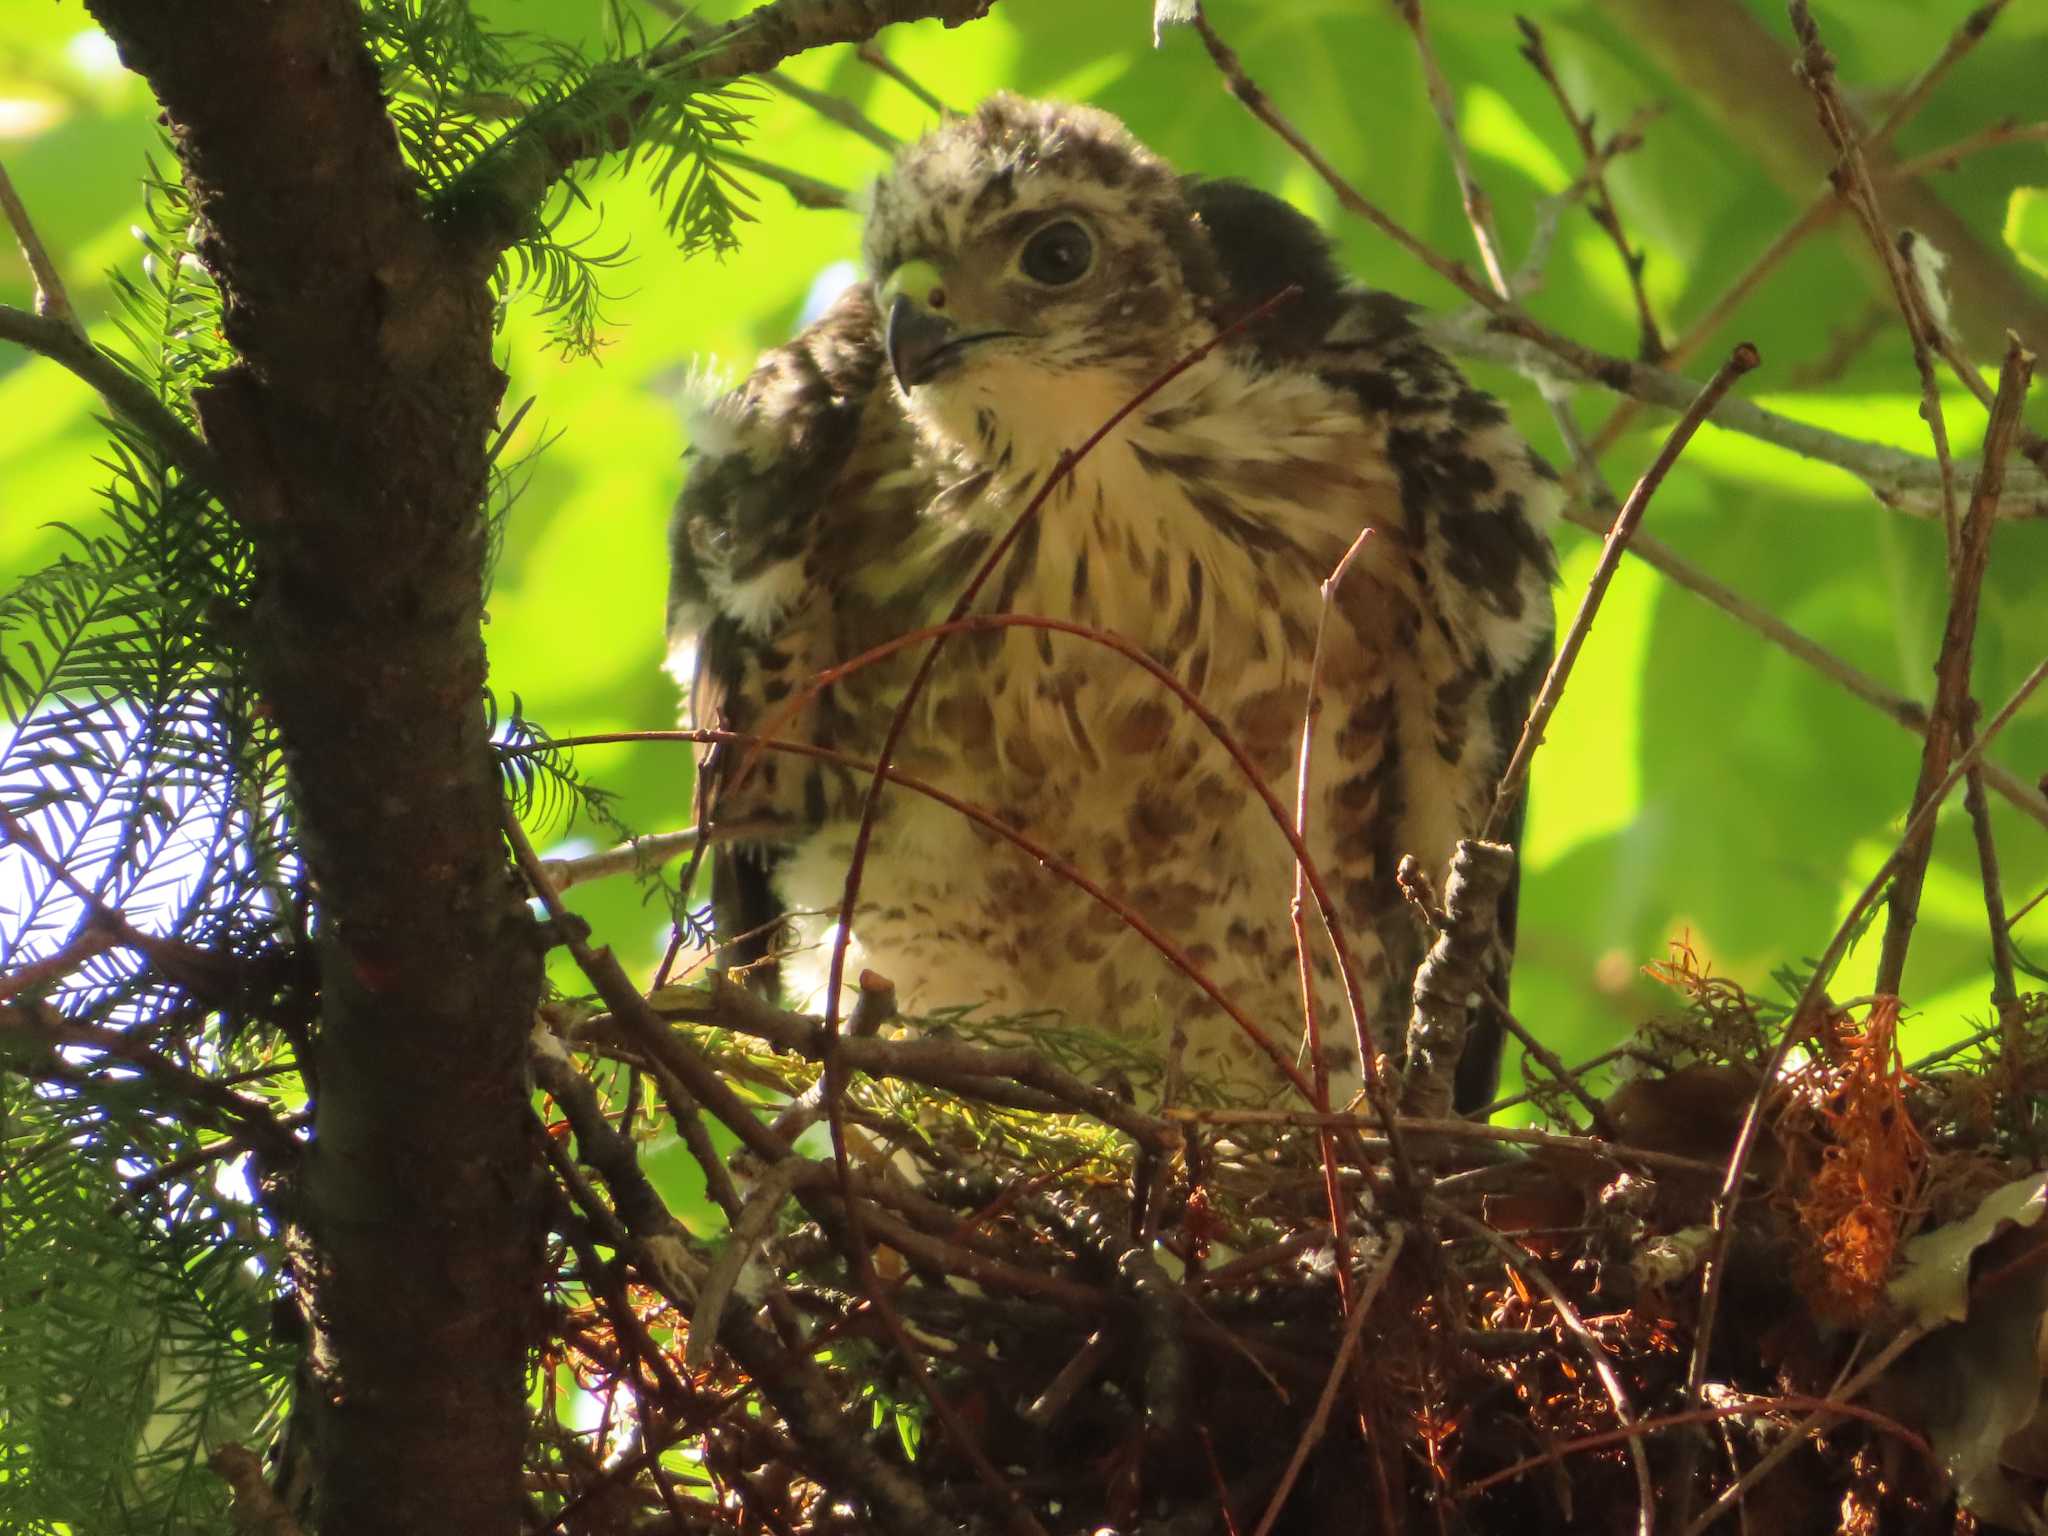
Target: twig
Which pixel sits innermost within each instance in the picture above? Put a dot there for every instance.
(1600, 202)
(125, 394)
(1435, 1128)
(248, 1119)
(644, 855)
(1190, 701)
(202, 972)
(762, 38)
(1354, 1326)
(749, 1230)
(1901, 710)
(1952, 668)
(1950, 156)
(1568, 1318)
(660, 1242)
(799, 1392)
(1904, 481)
(1750, 1404)
(40, 974)
(1899, 479)
(1478, 207)
(2027, 906)
(1550, 1061)
(718, 1182)
(1786, 1444)
(872, 56)
(835, 109)
(53, 302)
(1960, 42)
(981, 817)
(1740, 361)
(1825, 205)
(1312, 1025)
(807, 191)
(1801, 1018)
(1852, 175)
(919, 1058)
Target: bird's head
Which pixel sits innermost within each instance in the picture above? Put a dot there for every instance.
(1034, 262)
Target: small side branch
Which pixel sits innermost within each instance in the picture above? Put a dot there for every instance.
(125, 395)
(53, 302)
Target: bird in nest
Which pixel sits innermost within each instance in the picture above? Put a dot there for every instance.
(1033, 270)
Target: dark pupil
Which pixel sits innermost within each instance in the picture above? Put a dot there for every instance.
(1057, 254)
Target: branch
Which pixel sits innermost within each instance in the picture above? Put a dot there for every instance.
(1949, 718)
(53, 302)
(64, 343)
(1600, 202)
(1851, 176)
(767, 35)
(602, 118)
(918, 1059)
(1478, 207)
(1740, 361)
(1903, 481)
(882, 64)
(808, 191)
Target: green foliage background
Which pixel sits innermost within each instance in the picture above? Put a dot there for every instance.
(1696, 781)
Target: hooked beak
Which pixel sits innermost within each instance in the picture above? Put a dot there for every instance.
(921, 338)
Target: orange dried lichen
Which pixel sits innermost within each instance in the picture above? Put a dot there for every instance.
(1856, 1160)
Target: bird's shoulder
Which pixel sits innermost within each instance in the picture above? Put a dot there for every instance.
(1471, 487)
(763, 459)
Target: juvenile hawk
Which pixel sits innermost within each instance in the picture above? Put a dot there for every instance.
(1034, 267)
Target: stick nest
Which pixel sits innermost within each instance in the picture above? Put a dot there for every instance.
(1027, 1319)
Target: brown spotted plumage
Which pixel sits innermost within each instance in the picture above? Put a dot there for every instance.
(1034, 268)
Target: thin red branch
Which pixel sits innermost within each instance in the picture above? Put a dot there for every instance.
(1025, 844)
(856, 866)
(1304, 862)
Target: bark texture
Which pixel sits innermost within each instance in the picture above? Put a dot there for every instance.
(351, 441)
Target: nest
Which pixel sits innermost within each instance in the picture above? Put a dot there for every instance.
(1005, 1298)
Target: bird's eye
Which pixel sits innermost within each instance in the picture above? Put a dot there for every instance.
(1058, 254)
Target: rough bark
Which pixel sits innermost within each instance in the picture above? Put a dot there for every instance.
(351, 442)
